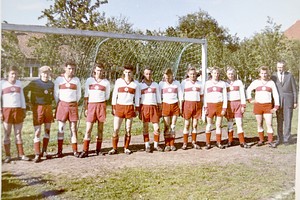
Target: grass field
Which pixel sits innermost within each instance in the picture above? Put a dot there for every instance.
(257, 178)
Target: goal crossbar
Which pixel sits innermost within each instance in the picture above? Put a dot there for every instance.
(77, 32)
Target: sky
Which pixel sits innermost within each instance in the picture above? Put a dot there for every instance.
(241, 17)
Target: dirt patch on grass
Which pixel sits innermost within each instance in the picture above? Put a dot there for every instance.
(103, 164)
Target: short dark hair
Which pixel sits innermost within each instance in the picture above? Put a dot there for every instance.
(147, 68)
(71, 63)
(281, 62)
(99, 65)
(191, 68)
(215, 68)
(128, 67)
(229, 68)
(168, 71)
(264, 68)
(12, 68)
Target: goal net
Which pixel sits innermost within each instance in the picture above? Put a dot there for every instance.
(30, 47)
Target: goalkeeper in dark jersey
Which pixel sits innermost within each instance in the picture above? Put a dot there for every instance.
(40, 101)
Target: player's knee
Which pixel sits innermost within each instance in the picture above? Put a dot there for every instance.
(194, 130)
(239, 129)
(230, 126)
(218, 125)
(60, 135)
(36, 139)
(128, 132)
(208, 127)
(47, 131)
(37, 134)
(187, 126)
(87, 136)
(74, 139)
(269, 129)
(18, 139)
(185, 131)
(116, 133)
(61, 129)
(173, 126)
(74, 130)
(6, 141)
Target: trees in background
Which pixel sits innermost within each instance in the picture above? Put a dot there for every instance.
(77, 14)
(11, 55)
(201, 25)
(264, 48)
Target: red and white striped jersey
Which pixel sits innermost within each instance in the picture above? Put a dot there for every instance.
(263, 92)
(150, 95)
(192, 91)
(97, 91)
(236, 91)
(215, 92)
(170, 93)
(67, 91)
(126, 94)
(12, 95)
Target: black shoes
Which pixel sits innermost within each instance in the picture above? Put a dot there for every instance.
(99, 153)
(37, 159)
(127, 151)
(113, 151)
(272, 145)
(229, 144)
(158, 148)
(76, 154)
(46, 155)
(208, 146)
(196, 146)
(148, 150)
(260, 143)
(59, 155)
(24, 158)
(220, 146)
(279, 142)
(7, 159)
(84, 154)
(184, 146)
(245, 145)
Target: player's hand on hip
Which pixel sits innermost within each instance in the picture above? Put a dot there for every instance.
(1, 116)
(223, 112)
(242, 109)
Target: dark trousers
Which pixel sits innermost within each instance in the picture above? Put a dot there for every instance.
(284, 123)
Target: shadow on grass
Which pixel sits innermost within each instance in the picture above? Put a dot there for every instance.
(13, 185)
(141, 147)
(293, 139)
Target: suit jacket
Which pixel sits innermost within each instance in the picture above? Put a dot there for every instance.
(287, 89)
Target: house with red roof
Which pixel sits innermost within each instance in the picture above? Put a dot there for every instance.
(293, 33)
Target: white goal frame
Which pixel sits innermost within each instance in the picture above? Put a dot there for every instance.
(88, 33)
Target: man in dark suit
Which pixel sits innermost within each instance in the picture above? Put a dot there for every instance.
(287, 90)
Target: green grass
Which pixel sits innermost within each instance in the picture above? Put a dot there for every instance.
(234, 181)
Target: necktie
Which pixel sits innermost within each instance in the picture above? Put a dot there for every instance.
(281, 77)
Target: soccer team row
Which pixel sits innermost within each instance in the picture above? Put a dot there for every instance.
(148, 100)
